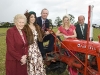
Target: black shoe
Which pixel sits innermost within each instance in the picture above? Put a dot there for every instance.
(44, 57)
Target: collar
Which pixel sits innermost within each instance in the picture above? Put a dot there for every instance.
(42, 19)
(81, 25)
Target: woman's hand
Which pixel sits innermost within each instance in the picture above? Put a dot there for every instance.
(23, 59)
(65, 36)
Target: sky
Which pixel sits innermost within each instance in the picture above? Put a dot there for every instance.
(9, 8)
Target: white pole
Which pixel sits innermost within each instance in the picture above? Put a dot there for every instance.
(91, 28)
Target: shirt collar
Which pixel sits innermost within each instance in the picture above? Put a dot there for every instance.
(42, 20)
(82, 25)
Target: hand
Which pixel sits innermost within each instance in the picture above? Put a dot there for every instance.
(65, 36)
(23, 59)
(47, 32)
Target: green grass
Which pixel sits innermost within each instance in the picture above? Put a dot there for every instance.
(2, 55)
(96, 32)
(3, 49)
(3, 30)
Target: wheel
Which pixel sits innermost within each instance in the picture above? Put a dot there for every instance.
(58, 67)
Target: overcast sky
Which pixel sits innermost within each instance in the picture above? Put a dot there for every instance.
(9, 8)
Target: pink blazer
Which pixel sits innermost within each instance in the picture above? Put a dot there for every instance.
(68, 32)
(16, 48)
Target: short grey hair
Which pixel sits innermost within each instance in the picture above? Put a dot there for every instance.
(20, 16)
(81, 16)
(44, 9)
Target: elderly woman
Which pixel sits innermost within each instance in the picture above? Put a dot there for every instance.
(17, 48)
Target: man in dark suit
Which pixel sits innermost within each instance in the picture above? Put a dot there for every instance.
(83, 35)
(81, 31)
(43, 22)
(81, 28)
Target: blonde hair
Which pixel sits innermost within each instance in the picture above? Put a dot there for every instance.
(20, 16)
(66, 16)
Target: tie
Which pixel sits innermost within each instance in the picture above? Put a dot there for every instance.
(82, 29)
(43, 26)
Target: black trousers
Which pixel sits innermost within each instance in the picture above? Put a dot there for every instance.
(49, 38)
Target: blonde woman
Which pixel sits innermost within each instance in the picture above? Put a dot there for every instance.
(67, 30)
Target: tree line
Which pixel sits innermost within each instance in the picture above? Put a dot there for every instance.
(57, 22)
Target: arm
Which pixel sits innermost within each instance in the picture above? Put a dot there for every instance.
(58, 33)
(10, 45)
(47, 23)
(72, 36)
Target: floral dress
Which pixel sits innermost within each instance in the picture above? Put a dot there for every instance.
(35, 64)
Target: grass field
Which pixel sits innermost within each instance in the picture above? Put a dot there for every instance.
(3, 48)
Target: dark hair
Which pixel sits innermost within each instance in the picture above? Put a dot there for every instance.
(28, 14)
(28, 31)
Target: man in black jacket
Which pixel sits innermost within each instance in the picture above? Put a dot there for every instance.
(43, 22)
(81, 31)
(81, 28)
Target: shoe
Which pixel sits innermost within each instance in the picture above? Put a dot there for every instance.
(44, 57)
(51, 55)
(52, 59)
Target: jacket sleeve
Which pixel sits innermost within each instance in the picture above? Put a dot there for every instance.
(47, 23)
(10, 45)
